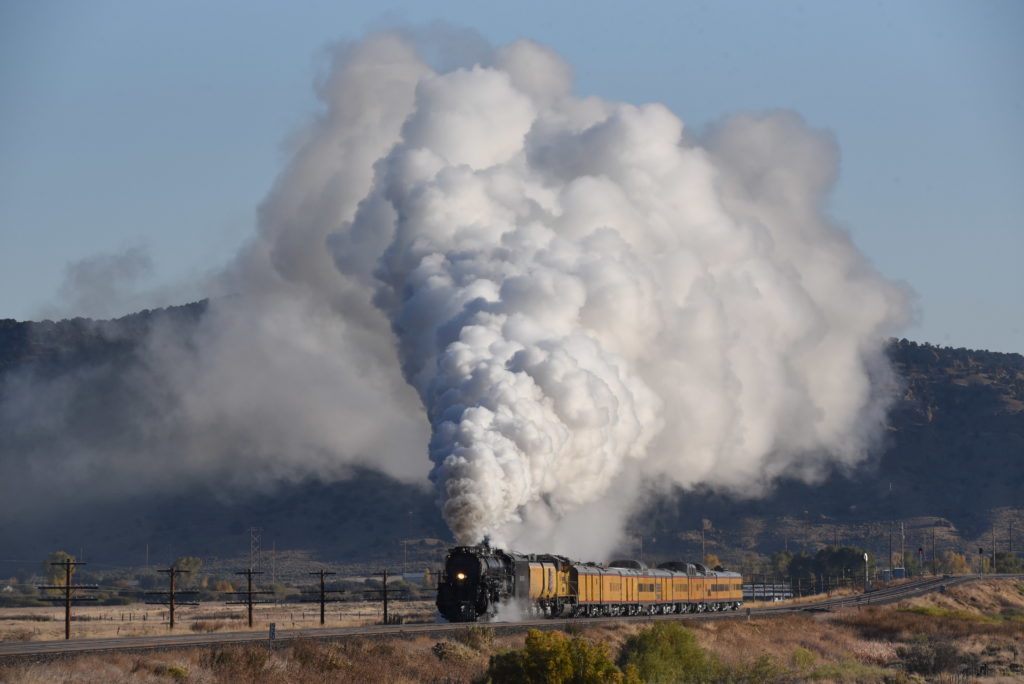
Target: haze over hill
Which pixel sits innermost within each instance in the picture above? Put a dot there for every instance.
(952, 456)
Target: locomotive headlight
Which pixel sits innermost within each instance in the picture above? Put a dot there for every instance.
(460, 576)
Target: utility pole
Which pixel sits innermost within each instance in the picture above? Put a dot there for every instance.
(934, 567)
(172, 593)
(323, 599)
(383, 593)
(993, 546)
(69, 591)
(867, 581)
(903, 546)
(248, 593)
(890, 547)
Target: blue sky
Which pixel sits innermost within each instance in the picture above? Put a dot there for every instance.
(159, 126)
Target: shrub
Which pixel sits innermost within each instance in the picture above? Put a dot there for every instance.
(452, 652)
(761, 669)
(851, 671)
(553, 658)
(666, 652)
(206, 626)
(317, 657)
(478, 637)
(238, 663)
(928, 658)
(802, 659)
(177, 672)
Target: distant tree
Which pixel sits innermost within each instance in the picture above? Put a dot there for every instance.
(751, 564)
(711, 561)
(802, 566)
(953, 563)
(780, 561)
(57, 574)
(190, 565)
(1007, 562)
(845, 561)
(912, 565)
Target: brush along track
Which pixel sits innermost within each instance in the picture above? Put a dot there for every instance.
(38, 651)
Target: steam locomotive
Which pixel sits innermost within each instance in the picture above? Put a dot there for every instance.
(477, 579)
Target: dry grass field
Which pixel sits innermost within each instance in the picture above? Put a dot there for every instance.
(972, 633)
(95, 622)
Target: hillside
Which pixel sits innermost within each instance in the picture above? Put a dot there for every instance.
(952, 461)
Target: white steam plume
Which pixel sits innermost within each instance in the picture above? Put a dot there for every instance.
(585, 298)
(582, 294)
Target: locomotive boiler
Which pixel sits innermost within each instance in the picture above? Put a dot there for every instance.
(478, 579)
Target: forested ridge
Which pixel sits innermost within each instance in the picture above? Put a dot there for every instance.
(953, 454)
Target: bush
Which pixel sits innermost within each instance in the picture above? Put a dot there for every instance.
(117, 600)
(553, 658)
(802, 659)
(207, 625)
(478, 637)
(236, 663)
(666, 652)
(178, 673)
(317, 657)
(452, 652)
(928, 658)
(761, 669)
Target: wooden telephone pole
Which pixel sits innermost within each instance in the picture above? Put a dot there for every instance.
(69, 591)
(171, 594)
(324, 591)
(383, 593)
(248, 593)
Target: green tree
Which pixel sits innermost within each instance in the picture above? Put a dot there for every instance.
(553, 658)
(1007, 562)
(57, 574)
(667, 652)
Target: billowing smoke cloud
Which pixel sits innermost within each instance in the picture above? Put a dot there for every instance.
(582, 292)
(585, 298)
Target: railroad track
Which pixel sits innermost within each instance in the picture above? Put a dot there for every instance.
(11, 652)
